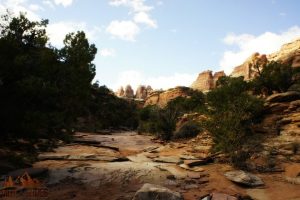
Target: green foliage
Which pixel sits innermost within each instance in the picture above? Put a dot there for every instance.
(193, 103)
(105, 110)
(162, 121)
(274, 76)
(42, 89)
(232, 111)
(188, 130)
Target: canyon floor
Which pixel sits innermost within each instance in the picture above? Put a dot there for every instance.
(114, 166)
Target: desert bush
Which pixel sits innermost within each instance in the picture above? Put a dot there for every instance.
(232, 111)
(188, 130)
(274, 76)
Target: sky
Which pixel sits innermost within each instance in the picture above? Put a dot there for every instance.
(166, 43)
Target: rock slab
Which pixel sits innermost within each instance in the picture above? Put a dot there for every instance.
(156, 192)
(244, 178)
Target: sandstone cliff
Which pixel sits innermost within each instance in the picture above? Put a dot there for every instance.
(288, 54)
(142, 92)
(249, 68)
(206, 80)
(161, 98)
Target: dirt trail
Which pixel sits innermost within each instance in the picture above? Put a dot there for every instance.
(114, 167)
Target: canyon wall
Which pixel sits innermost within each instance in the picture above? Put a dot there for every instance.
(161, 98)
(206, 80)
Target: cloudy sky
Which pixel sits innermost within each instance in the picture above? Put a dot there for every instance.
(165, 43)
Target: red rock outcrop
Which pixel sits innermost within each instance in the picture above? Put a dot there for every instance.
(120, 92)
(142, 92)
(288, 54)
(161, 98)
(128, 93)
(206, 80)
(249, 68)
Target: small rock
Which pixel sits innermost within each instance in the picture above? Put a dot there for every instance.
(195, 169)
(244, 178)
(292, 173)
(188, 157)
(156, 192)
(219, 196)
(152, 148)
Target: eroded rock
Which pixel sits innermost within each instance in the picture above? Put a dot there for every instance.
(244, 178)
(156, 192)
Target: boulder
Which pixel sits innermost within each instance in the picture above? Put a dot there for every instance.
(156, 192)
(284, 97)
(292, 173)
(219, 196)
(244, 178)
(195, 169)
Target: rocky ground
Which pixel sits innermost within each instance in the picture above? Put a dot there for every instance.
(111, 167)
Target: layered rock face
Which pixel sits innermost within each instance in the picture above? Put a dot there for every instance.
(288, 54)
(120, 92)
(249, 68)
(281, 125)
(161, 98)
(128, 92)
(142, 92)
(206, 80)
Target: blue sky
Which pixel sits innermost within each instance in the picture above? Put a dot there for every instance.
(165, 43)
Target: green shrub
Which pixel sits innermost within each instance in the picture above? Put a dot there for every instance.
(232, 111)
(188, 130)
(274, 76)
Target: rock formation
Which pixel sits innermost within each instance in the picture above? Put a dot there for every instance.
(120, 92)
(128, 93)
(280, 126)
(206, 80)
(142, 92)
(288, 54)
(161, 98)
(250, 67)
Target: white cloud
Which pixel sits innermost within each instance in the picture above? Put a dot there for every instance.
(35, 7)
(125, 30)
(247, 44)
(17, 6)
(49, 3)
(135, 78)
(64, 3)
(282, 14)
(58, 31)
(160, 3)
(140, 12)
(107, 52)
(144, 18)
(134, 5)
